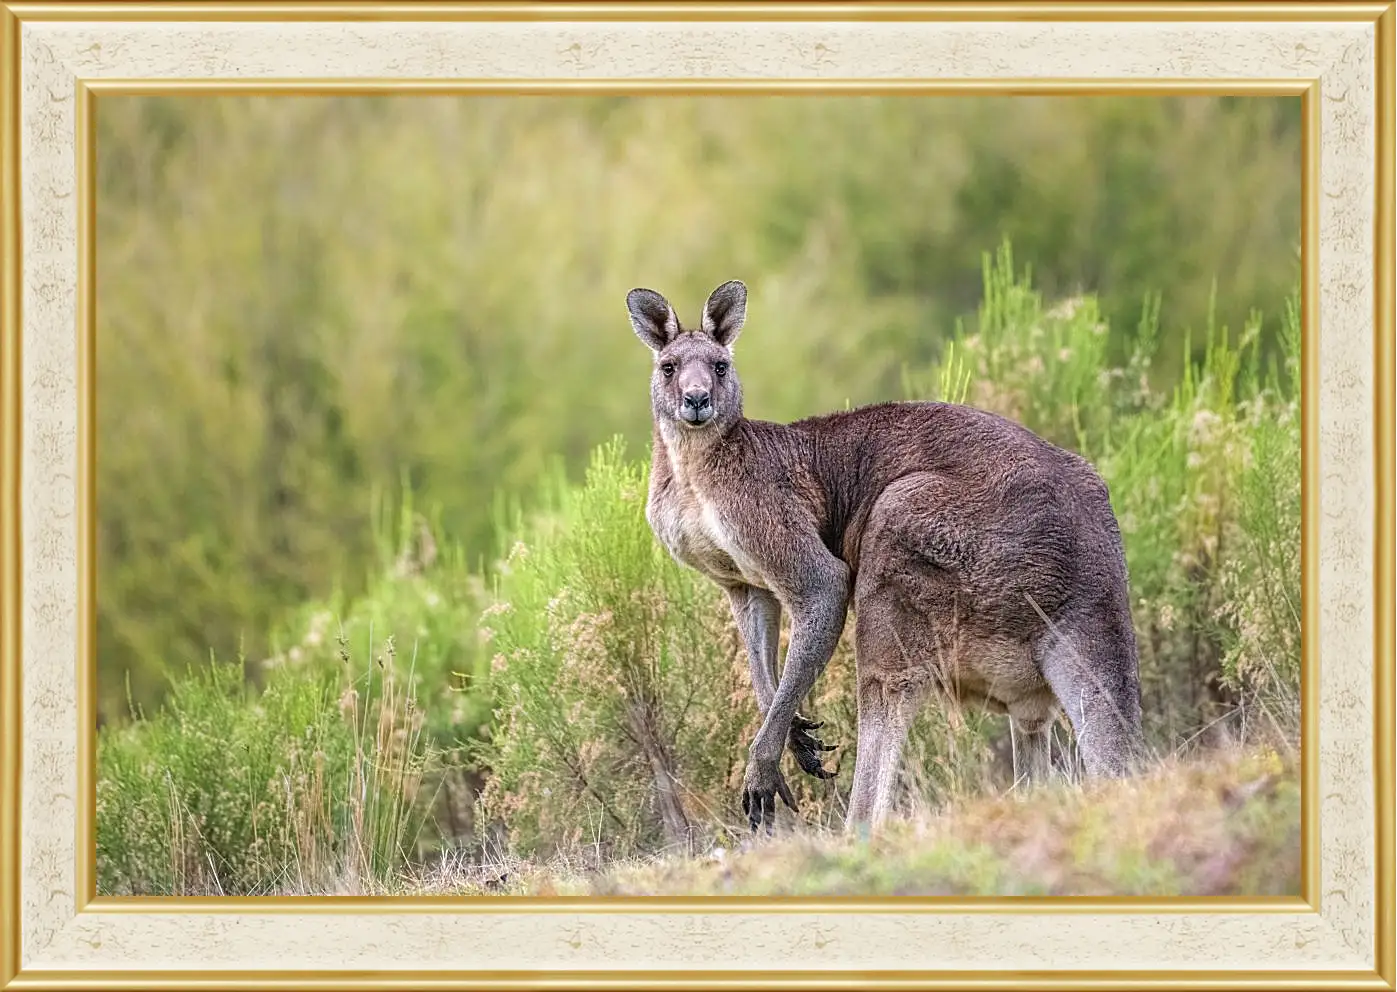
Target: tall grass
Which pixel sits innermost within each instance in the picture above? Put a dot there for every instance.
(310, 784)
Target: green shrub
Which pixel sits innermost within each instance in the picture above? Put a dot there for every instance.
(620, 693)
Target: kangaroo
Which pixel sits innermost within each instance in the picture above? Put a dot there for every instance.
(981, 562)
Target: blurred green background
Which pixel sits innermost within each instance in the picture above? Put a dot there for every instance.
(309, 306)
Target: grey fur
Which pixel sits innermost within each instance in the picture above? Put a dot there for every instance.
(982, 562)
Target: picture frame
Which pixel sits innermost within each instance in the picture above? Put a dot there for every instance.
(60, 59)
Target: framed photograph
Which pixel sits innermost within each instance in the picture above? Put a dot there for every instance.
(706, 495)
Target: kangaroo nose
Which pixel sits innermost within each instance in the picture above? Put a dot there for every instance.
(696, 399)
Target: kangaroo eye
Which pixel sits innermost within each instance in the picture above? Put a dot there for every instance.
(720, 368)
(668, 369)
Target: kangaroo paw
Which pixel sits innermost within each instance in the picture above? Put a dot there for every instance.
(761, 787)
(809, 751)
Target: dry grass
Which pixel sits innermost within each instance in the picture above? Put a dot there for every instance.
(1216, 824)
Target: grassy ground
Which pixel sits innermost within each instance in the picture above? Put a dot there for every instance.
(1219, 824)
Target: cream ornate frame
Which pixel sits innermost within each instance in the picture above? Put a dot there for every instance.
(59, 58)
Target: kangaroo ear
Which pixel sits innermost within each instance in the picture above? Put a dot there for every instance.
(652, 317)
(724, 312)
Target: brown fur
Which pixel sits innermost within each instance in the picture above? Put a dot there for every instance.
(982, 562)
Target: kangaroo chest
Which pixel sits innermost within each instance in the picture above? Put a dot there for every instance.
(695, 531)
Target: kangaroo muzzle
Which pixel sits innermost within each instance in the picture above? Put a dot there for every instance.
(697, 407)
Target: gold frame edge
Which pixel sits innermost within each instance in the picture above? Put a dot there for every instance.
(1385, 524)
(778, 10)
(11, 17)
(10, 443)
(442, 981)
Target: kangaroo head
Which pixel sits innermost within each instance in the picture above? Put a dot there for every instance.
(693, 386)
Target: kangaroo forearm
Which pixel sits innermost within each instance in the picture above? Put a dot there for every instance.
(812, 643)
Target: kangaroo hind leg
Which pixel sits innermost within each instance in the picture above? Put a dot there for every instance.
(885, 714)
(891, 688)
(905, 611)
(1092, 668)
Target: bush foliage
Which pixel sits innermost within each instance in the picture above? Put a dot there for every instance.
(303, 301)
